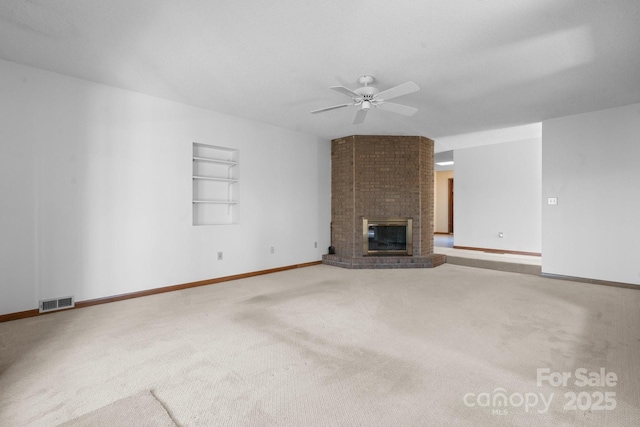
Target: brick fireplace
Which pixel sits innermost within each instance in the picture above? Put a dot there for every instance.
(381, 178)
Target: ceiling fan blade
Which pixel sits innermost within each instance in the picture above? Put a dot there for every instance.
(360, 116)
(394, 92)
(397, 108)
(330, 108)
(343, 90)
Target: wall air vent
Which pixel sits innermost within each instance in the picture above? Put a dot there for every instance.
(55, 304)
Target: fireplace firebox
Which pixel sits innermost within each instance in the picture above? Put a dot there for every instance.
(388, 236)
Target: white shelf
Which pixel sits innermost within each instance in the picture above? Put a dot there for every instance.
(218, 202)
(215, 178)
(217, 161)
(215, 175)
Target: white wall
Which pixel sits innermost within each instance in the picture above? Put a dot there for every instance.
(591, 163)
(498, 189)
(442, 201)
(95, 187)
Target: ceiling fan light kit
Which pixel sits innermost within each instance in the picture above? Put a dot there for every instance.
(367, 96)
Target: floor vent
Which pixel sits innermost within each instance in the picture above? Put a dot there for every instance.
(56, 304)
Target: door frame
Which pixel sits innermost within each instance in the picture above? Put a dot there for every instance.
(450, 197)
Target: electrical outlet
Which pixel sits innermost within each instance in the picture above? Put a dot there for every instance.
(552, 201)
(272, 250)
(315, 245)
(220, 256)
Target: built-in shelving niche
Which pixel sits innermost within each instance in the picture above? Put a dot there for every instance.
(216, 185)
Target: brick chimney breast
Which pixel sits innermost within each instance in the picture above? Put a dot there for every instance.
(379, 176)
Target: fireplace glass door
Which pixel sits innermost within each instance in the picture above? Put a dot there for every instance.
(391, 236)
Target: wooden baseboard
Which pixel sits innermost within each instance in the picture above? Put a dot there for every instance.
(121, 297)
(442, 232)
(18, 315)
(497, 251)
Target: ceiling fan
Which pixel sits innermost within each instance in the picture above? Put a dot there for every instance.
(367, 96)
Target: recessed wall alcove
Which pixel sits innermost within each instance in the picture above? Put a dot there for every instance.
(384, 179)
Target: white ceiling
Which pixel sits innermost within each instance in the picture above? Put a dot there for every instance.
(481, 64)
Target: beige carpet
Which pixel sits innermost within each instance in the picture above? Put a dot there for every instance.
(140, 410)
(322, 346)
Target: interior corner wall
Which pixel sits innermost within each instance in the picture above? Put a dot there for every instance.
(441, 222)
(498, 189)
(591, 165)
(96, 191)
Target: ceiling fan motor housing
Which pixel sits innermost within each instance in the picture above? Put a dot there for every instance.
(367, 92)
